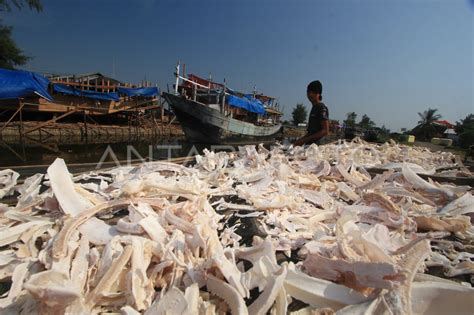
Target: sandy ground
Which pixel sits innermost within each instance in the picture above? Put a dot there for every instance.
(435, 147)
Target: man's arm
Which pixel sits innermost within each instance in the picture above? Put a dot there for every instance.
(315, 136)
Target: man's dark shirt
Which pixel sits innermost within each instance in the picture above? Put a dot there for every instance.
(318, 114)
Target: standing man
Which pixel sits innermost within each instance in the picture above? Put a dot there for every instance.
(318, 123)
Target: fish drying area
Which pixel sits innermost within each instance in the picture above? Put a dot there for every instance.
(345, 228)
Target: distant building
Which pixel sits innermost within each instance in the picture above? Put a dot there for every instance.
(451, 134)
(444, 123)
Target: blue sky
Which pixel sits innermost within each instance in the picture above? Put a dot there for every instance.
(386, 59)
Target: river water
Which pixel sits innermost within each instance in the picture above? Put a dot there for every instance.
(13, 155)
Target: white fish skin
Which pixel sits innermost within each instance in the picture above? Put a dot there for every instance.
(63, 188)
(461, 205)
(29, 191)
(414, 167)
(153, 228)
(9, 235)
(173, 302)
(437, 298)
(263, 303)
(80, 265)
(53, 288)
(97, 231)
(318, 292)
(18, 277)
(420, 183)
(229, 294)
(8, 180)
(128, 310)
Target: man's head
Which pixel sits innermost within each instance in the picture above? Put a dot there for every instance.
(315, 91)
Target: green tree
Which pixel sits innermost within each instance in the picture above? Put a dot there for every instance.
(465, 130)
(350, 120)
(384, 130)
(366, 122)
(6, 5)
(425, 127)
(299, 114)
(10, 54)
(465, 123)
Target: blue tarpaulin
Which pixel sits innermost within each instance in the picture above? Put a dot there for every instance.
(144, 91)
(19, 83)
(254, 106)
(61, 88)
(250, 97)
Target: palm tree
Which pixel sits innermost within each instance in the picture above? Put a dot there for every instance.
(427, 119)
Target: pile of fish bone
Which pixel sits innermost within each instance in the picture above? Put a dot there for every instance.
(163, 238)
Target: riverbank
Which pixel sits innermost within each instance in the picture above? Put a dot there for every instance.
(68, 133)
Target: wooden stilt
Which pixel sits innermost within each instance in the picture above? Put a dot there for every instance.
(21, 119)
(13, 116)
(12, 150)
(85, 125)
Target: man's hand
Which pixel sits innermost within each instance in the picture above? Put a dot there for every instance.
(298, 142)
(315, 136)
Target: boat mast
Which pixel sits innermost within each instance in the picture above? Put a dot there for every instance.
(223, 98)
(177, 79)
(209, 89)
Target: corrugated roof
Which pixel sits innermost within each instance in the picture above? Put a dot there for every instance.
(449, 131)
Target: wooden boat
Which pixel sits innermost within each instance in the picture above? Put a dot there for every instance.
(93, 94)
(211, 113)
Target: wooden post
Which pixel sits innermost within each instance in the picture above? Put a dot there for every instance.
(21, 119)
(20, 106)
(162, 109)
(136, 122)
(85, 125)
(209, 89)
(129, 125)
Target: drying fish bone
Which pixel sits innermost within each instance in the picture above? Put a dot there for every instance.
(279, 230)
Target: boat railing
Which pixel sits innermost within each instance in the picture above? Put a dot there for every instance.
(192, 82)
(196, 84)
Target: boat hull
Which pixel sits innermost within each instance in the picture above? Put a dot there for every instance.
(203, 124)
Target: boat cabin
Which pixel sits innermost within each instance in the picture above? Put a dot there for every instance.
(255, 108)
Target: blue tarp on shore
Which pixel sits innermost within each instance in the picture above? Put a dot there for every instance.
(254, 106)
(144, 91)
(61, 88)
(20, 83)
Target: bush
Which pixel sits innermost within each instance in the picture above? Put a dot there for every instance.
(466, 138)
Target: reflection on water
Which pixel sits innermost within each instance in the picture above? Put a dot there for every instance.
(18, 155)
